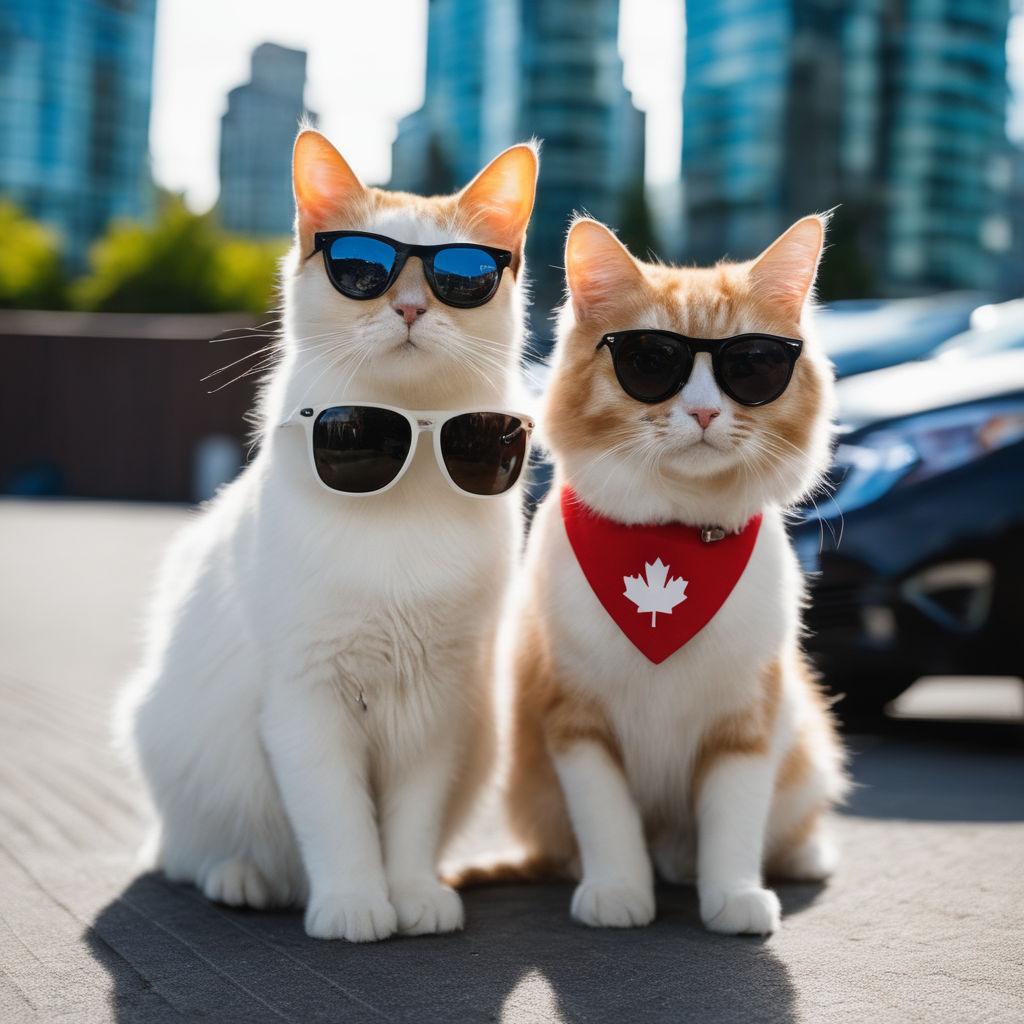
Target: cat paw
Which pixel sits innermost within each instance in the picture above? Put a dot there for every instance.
(357, 917)
(747, 911)
(427, 908)
(613, 904)
(238, 883)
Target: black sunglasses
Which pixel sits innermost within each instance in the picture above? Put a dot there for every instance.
(365, 266)
(652, 365)
(365, 449)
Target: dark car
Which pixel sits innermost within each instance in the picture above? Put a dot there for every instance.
(861, 335)
(917, 556)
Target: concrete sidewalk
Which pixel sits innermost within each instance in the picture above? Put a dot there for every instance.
(922, 923)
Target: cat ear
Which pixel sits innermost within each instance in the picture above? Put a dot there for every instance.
(784, 273)
(325, 185)
(599, 269)
(499, 200)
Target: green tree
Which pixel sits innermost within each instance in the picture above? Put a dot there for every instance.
(245, 273)
(180, 263)
(30, 262)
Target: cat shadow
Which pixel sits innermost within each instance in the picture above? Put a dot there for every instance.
(171, 955)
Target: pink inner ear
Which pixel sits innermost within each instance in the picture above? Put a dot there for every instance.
(598, 267)
(324, 183)
(500, 198)
(784, 273)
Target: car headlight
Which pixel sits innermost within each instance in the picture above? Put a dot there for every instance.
(921, 447)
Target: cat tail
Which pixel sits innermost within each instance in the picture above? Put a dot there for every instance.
(537, 867)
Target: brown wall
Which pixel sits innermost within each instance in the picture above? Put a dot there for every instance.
(114, 405)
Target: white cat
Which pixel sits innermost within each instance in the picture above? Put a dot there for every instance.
(314, 712)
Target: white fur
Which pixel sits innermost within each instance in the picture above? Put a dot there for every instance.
(618, 884)
(659, 713)
(316, 679)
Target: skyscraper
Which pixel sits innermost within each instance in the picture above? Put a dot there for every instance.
(440, 145)
(506, 71)
(572, 97)
(256, 137)
(894, 109)
(75, 84)
(945, 140)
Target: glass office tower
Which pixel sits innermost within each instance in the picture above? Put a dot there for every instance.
(507, 71)
(75, 86)
(894, 109)
(256, 137)
(440, 146)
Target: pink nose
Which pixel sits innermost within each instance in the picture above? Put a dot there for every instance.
(703, 416)
(409, 312)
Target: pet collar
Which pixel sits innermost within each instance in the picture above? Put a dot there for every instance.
(662, 583)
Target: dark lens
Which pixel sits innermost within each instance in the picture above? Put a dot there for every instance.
(360, 267)
(755, 370)
(484, 452)
(465, 277)
(358, 449)
(651, 367)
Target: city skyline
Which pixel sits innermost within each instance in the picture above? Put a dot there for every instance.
(74, 124)
(513, 70)
(197, 67)
(256, 131)
(504, 78)
(894, 117)
(195, 71)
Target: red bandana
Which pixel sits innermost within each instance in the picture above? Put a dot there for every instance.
(661, 584)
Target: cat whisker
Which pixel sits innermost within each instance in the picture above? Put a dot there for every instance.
(265, 364)
(272, 328)
(340, 365)
(826, 486)
(614, 450)
(768, 444)
(263, 350)
(751, 468)
(646, 452)
(479, 363)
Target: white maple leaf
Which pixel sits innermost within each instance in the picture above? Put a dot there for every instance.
(657, 593)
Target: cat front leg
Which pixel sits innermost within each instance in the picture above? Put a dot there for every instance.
(617, 887)
(732, 803)
(412, 809)
(319, 759)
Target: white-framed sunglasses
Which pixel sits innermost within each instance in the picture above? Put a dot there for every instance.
(364, 448)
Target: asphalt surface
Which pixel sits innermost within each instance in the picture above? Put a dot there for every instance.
(923, 921)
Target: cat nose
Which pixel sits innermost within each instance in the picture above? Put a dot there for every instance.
(703, 416)
(409, 311)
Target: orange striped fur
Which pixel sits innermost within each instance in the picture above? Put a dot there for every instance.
(670, 748)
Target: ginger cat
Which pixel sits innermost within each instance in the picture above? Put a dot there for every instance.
(664, 716)
(313, 713)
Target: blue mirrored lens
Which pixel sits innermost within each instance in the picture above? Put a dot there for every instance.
(465, 276)
(360, 267)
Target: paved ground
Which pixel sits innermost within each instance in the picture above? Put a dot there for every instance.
(922, 923)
